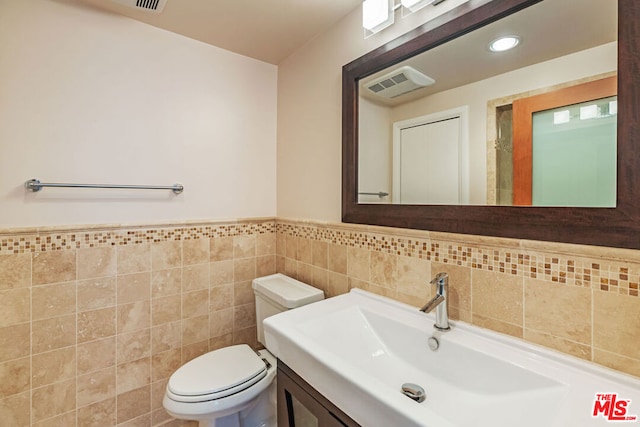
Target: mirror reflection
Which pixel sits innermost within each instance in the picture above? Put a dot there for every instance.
(467, 123)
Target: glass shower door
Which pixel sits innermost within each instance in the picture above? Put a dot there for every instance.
(565, 146)
(574, 155)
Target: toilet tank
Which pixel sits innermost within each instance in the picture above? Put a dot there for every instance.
(277, 293)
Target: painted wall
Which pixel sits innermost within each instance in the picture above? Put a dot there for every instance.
(309, 113)
(374, 152)
(88, 96)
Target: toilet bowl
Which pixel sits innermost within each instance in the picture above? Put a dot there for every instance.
(235, 386)
(229, 387)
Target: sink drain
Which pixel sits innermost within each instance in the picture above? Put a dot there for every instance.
(414, 391)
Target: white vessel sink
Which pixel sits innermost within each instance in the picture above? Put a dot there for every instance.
(358, 349)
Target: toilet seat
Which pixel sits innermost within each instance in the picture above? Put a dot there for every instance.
(216, 375)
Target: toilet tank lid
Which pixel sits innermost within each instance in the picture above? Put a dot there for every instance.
(286, 291)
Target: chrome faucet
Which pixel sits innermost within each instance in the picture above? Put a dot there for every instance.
(439, 302)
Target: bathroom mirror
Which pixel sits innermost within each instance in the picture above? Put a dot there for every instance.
(616, 225)
(423, 120)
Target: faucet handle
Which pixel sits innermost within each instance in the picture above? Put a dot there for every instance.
(440, 279)
(428, 307)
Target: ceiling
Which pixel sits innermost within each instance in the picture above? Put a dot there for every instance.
(268, 30)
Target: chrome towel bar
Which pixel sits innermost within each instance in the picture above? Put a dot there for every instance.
(36, 185)
(379, 194)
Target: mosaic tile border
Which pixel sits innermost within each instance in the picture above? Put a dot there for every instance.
(603, 274)
(47, 241)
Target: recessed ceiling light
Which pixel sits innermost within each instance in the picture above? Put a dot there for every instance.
(504, 43)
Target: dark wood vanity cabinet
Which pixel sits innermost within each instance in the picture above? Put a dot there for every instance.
(300, 405)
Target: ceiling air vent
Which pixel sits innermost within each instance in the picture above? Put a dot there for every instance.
(155, 6)
(398, 82)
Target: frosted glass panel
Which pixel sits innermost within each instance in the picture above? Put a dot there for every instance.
(574, 155)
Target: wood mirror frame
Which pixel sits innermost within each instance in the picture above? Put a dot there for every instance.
(615, 227)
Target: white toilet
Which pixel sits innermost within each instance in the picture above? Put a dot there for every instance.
(234, 386)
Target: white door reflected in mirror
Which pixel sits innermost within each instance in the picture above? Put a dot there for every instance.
(430, 159)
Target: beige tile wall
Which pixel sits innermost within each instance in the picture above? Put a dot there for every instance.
(579, 300)
(94, 321)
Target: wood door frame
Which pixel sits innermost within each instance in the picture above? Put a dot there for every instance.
(523, 110)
